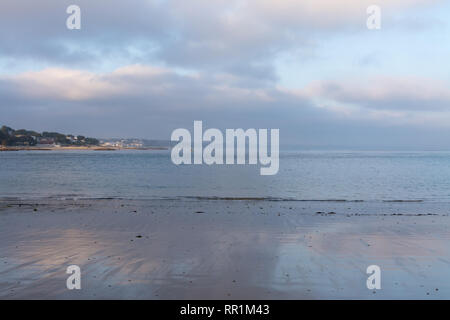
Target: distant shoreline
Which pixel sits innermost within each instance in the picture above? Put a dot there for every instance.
(65, 148)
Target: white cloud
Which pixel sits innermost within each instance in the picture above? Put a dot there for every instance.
(386, 100)
(395, 100)
(384, 92)
(132, 81)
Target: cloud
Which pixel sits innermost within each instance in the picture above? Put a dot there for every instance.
(143, 68)
(387, 93)
(146, 101)
(129, 82)
(242, 37)
(149, 93)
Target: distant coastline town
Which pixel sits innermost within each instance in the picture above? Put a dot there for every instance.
(11, 140)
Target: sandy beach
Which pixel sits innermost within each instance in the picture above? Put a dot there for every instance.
(222, 249)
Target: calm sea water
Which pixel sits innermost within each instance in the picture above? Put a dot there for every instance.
(369, 176)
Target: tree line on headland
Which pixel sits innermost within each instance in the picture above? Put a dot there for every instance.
(22, 137)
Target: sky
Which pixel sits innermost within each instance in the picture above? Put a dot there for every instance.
(311, 68)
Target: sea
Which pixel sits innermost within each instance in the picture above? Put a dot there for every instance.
(150, 174)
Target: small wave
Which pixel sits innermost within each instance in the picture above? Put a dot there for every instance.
(402, 200)
(266, 199)
(76, 197)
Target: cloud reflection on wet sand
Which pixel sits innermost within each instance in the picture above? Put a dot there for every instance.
(233, 249)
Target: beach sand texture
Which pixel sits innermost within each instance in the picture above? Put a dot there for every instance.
(222, 249)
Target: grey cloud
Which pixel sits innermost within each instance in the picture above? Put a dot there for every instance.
(143, 110)
(228, 51)
(234, 36)
(157, 101)
(388, 93)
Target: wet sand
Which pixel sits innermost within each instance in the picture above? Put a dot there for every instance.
(223, 249)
